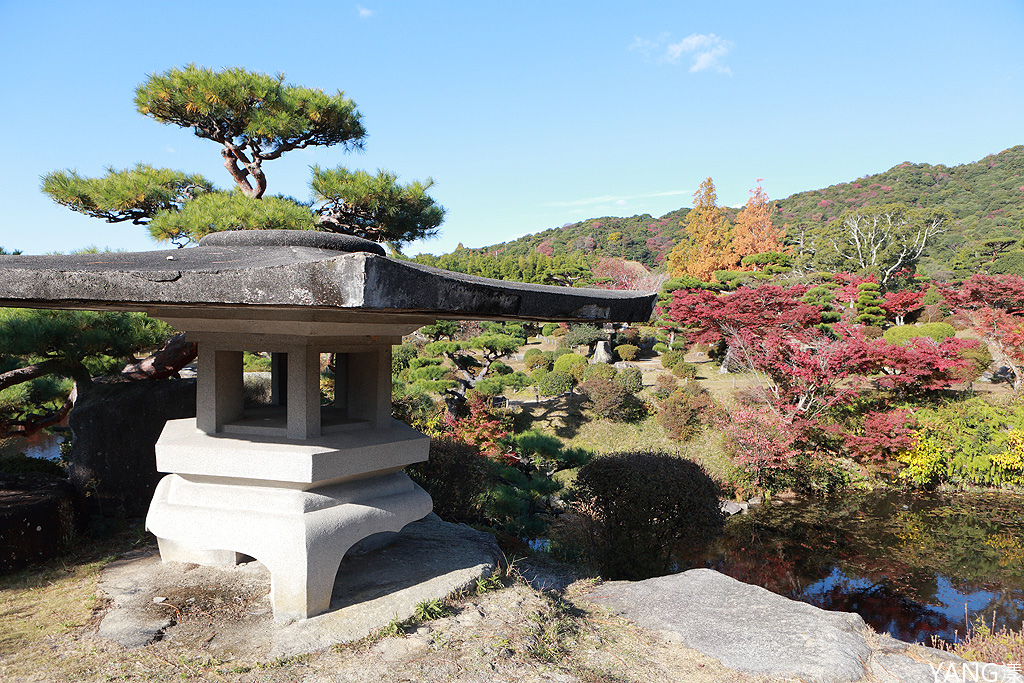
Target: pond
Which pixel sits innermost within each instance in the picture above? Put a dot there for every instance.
(43, 444)
(914, 566)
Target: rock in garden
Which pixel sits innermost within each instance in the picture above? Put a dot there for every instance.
(603, 353)
(748, 628)
(113, 456)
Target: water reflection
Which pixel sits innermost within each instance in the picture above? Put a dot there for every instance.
(39, 445)
(910, 565)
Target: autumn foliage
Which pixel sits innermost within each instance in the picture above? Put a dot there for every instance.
(811, 375)
(753, 232)
(707, 249)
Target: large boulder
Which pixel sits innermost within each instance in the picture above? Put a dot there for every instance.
(603, 353)
(116, 426)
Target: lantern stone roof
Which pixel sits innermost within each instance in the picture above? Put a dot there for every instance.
(280, 273)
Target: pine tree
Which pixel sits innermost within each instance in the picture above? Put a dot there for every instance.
(255, 118)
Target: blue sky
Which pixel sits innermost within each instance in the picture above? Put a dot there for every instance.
(528, 115)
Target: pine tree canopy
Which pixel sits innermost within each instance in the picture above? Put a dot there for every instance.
(230, 210)
(255, 117)
(133, 194)
(376, 207)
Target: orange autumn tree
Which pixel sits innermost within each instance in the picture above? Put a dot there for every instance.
(754, 232)
(708, 247)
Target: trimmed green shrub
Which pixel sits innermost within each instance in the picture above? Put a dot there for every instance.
(679, 346)
(549, 329)
(627, 352)
(685, 371)
(631, 379)
(517, 381)
(902, 334)
(558, 332)
(457, 478)
(637, 507)
(572, 364)
(538, 361)
(659, 348)
(489, 386)
(499, 368)
(531, 352)
(670, 359)
(602, 370)
(554, 383)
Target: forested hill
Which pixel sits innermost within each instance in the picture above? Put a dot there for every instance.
(986, 199)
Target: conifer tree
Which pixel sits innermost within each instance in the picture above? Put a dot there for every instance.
(708, 247)
(754, 232)
(254, 117)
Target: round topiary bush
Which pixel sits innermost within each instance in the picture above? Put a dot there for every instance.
(685, 371)
(670, 359)
(684, 412)
(605, 397)
(627, 352)
(531, 352)
(638, 507)
(499, 368)
(549, 329)
(631, 379)
(659, 348)
(602, 370)
(537, 361)
(554, 383)
(572, 364)
(902, 334)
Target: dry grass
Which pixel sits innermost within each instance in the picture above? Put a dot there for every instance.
(982, 643)
(506, 633)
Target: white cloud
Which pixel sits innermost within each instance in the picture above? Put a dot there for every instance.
(171, 150)
(364, 13)
(705, 52)
(620, 202)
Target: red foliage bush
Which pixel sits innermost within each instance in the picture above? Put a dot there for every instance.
(885, 433)
(685, 411)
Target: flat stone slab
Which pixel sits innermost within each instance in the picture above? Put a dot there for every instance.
(752, 630)
(228, 608)
(293, 271)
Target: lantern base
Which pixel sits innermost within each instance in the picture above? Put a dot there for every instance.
(300, 536)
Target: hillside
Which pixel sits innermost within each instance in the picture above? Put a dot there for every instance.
(986, 199)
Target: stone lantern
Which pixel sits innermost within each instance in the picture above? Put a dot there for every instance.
(293, 484)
